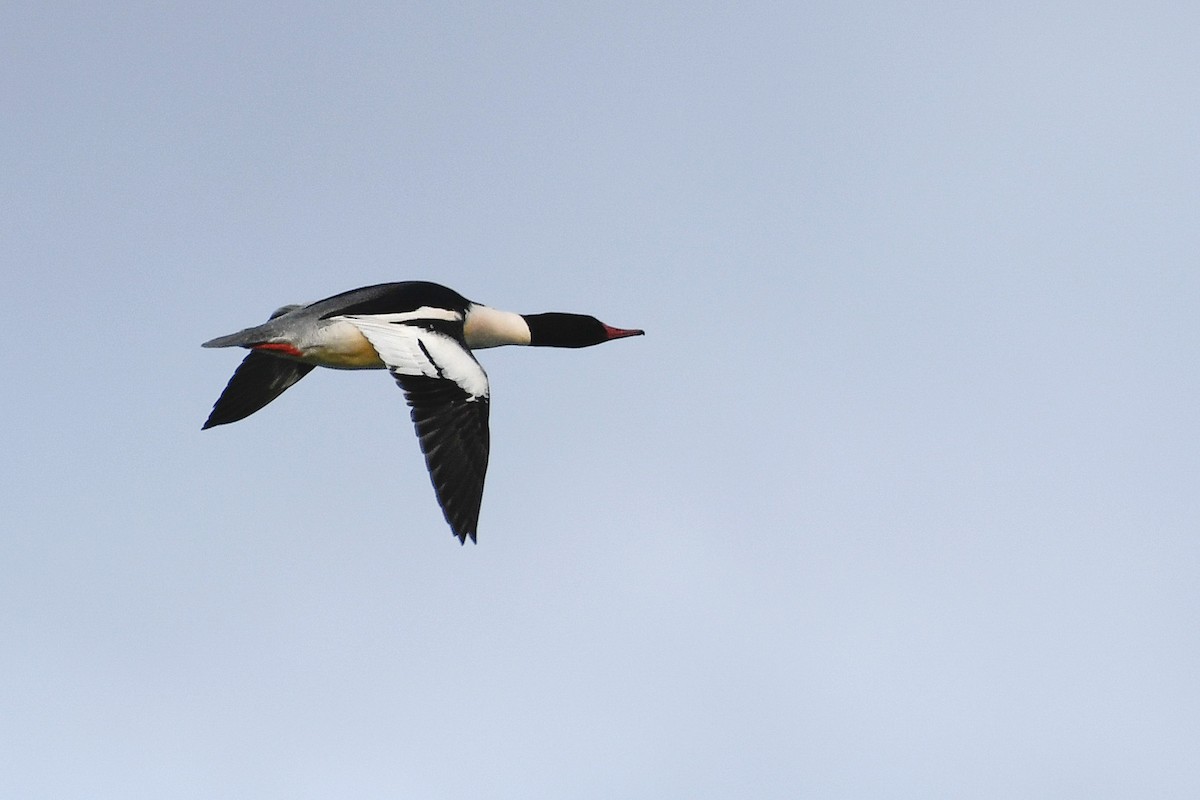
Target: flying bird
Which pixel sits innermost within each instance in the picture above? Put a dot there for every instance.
(422, 333)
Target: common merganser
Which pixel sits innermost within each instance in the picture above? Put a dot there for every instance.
(422, 333)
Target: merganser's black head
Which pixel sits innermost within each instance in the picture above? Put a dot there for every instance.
(571, 330)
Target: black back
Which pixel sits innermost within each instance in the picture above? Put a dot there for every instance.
(391, 298)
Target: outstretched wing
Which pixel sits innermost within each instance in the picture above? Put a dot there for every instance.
(258, 380)
(447, 391)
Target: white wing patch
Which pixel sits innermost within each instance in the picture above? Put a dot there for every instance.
(424, 312)
(412, 350)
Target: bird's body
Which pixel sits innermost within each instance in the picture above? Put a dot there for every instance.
(423, 333)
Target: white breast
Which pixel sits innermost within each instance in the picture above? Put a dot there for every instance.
(491, 327)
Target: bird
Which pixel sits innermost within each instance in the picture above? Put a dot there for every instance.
(423, 333)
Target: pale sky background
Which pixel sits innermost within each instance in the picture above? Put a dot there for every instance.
(898, 498)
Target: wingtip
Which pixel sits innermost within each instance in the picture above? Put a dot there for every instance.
(213, 420)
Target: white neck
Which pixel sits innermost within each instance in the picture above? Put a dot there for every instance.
(491, 327)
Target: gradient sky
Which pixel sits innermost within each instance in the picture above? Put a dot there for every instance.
(899, 496)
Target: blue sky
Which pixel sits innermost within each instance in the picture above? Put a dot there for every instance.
(897, 497)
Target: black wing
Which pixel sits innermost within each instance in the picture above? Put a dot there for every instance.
(258, 380)
(447, 390)
(453, 429)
